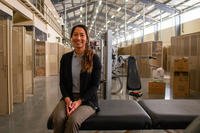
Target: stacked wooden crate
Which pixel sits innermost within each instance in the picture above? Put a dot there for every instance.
(143, 51)
(40, 60)
(52, 59)
(6, 86)
(124, 50)
(181, 78)
(47, 58)
(187, 46)
(17, 55)
(22, 54)
(28, 63)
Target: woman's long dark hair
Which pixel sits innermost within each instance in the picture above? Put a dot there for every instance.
(87, 60)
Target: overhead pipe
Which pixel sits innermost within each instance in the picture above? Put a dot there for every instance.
(178, 25)
(125, 22)
(142, 37)
(160, 38)
(86, 12)
(106, 16)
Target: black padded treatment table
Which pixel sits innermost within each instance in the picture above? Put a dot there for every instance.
(171, 114)
(116, 115)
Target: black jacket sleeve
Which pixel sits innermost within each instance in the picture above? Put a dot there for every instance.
(65, 75)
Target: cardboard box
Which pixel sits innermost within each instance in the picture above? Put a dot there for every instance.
(157, 88)
(181, 88)
(181, 64)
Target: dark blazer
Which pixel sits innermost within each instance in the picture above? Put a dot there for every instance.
(89, 82)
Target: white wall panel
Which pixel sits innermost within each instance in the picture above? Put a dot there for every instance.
(52, 35)
(149, 37)
(166, 35)
(191, 27)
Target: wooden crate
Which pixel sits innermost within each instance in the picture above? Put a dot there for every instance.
(52, 59)
(145, 50)
(6, 86)
(181, 88)
(188, 46)
(157, 88)
(22, 64)
(17, 53)
(40, 58)
(28, 63)
(181, 64)
(198, 65)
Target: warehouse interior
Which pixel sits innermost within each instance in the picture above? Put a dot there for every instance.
(162, 35)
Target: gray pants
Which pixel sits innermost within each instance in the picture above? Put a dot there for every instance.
(71, 124)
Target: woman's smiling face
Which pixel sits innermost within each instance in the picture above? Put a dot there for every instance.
(79, 39)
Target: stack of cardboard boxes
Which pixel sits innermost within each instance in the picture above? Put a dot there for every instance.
(157, 84)
(181, 78)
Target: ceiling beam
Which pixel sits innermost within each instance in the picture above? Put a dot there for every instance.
(161, 6)
(128, 11)
(77, 7)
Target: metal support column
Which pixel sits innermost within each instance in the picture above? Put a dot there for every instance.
(142, 37)
(108, 64)
(160, 31)
(156, 36)
(177, 25)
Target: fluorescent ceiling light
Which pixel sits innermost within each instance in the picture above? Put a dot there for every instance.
(113, 16)
(119, 9)
(100, 2)
(137, 16)
(150, 7)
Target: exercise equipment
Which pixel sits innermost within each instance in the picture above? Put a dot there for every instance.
(171, 114)
(133, 78)
(115, 115)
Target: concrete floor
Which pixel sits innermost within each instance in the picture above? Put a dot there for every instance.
(31, 116)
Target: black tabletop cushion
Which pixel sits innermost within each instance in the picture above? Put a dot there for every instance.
(116, 115)
(171, 114)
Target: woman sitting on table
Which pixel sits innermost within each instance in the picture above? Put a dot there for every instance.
(79, 80)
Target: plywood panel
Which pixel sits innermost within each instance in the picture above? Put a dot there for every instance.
(165, 58)
(40, 60)
(28, 63)
(3, 71)
(187, 46)
(6, 106)
(52, 59)
(168, 58)
(198, 65)
(145, 50)
(62, 49)
(22, 64)
(17, 53)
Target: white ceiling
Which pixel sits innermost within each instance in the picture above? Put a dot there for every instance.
(133, 13)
